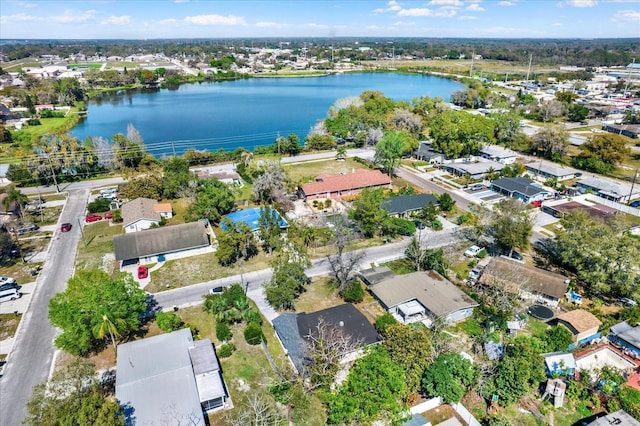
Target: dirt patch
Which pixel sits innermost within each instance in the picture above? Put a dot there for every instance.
(442, 413)
(8, 325)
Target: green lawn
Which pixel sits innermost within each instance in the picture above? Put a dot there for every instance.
(470, 327)
(308, 170)
(98, 252)
(48, 125)
(536, 327)
(319, 294)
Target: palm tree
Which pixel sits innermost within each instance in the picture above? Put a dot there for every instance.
(14, 196)
(108, 327)
(341, 153)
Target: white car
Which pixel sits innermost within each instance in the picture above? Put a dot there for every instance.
(7, 280)
(473, 251)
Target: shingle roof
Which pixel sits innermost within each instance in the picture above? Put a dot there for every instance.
(351, 181)
(408, 203)
(580, 320)
(431, 289)
(497, 152)
(479, 167)
(372, 276)
(608, 187)
(515, 277)
(167, 239)
(140, 208)
(550, 168)
(520, 185)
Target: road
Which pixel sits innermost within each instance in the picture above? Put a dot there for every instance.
(30, 361)
(461, 202)
(70, 186)
(192, 295)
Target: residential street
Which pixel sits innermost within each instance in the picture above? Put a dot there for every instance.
(30, 361)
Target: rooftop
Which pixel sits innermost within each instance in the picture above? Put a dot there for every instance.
(559, 361)
(475, 168)
(140, 208)
(431, 289)
(162, 207)
(407, 203)
(358, 179)
(520, 185)
(376, 274)
(550, 169)
(627, 333)
(495, 151)
(609, 187)
(580, 320)
(618, 418)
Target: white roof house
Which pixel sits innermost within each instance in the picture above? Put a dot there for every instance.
(609, 189)
(544, 170)
(499, 154)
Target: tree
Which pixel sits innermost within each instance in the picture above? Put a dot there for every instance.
(446, 202)
(558, 338)
(410, 348)
(177, 180)
(457, 133)
(168, 322)
(343, 264)
(550, 109)
(235, 242)
(512, 224)
(390, 149)
(14, 200)
(368, 213)
(551, 141)
(213, 200)
(577, 112)
(148, 186)
(506, 126)
(89, 296)
(341, 153)
(74, 396)
(602, 153)
(269, 229)
(374, 390)
(292, 145)
(128, 154)
(271, 186)
(630, 401)
(257, 410)
(108, 327)
(424, 259)
(449, 377)
(288, 279)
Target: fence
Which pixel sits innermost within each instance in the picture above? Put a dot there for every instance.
(465, 414)
(621, 207)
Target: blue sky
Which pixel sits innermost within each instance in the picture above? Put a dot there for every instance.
(140, 19)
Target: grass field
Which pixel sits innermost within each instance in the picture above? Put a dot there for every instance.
(307, 171)
(98, 253)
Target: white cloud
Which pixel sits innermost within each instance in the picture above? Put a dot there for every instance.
(180, 1)
(416, 12)
(74, 16)
(445, 3)
(269, 25)
(581, 3)
(19, 17)
(475, 7)
(167, 21)
(557, 24)
(117, 20)
(404, 24)
(632, 16)
(443, 12)
(467, 17)
(316, 26)
(506, 3)
(392, 6)
(26, 5)
(215, 20)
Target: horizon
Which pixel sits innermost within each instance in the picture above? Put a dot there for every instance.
(331, 19)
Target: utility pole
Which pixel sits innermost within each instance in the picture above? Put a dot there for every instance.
(529, 69)
(473, 54)
(626, 86)
(53, 172)
(633, 183)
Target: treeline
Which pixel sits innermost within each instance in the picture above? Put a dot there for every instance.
(599, 52)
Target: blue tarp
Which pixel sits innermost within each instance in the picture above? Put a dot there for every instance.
(252, 218)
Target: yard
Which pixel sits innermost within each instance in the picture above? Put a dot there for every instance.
(98, 251)
(307, 171)
(8, 325)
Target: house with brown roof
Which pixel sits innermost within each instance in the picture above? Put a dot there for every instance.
(582, 324)
(328, 186)
(140, 214)
(423, 296)
(164, 210)
(533, 284)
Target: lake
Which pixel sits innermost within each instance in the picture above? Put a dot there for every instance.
(241, 113)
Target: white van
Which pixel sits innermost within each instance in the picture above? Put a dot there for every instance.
(108, 191)
(10, 294)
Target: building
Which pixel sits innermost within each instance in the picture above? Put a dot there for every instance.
(618, 418)
(541, 170)
(499, 154)
(155, 245)
(559, 363)
(328, 186)
(521, 188)
(423, 296)
(603, 355)
(533, 284)
(294, 330)
(473, 169)
(169, 379)
(425, 153)
(139, 214)
(559, 209)
(164, 210)
(375, 275)
(608, 189)
(629, 130)
(582, 324)
(626, 337)
(406, 205)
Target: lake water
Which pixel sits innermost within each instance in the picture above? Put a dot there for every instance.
(241, 113)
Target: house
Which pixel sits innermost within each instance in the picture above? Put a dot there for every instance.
(559, 209)
(608, 189)
(375, 275)
(229, 177)
(473, 169)
(425, 153)
(521, 188)
(582, 324)
(604, 355)
(629, 130)
(626, 337)
(139, 214)
(559, 364)
(294, 330)
(533, 284)
(328, 186)
(617, 418)
(417, 420)
(169, 379)
(154, 245)
(541, 170)
(423, 296)
(406, 205)
(164, 210)
(499, 154)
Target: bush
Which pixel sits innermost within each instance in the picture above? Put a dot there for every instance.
(223, 332)
(252, 315)
(482, 254)
(168, 321)
(99, 205)
(383, 321)
(253, 334)
(226, 350)
(436, 225)
(352, 292)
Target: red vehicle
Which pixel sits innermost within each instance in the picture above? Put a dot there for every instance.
(65, 227)
(108, 215)
(143, 272)
(93, 218)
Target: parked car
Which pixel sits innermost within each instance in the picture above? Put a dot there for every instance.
(7, 280)
(574, 298)
(635, 204)
(625, 301)
(93, 218)
(11, 294)
(143, 272)
(27, 227)
(475, 273)
(473, 251)
(108, 215)
(65, 227)
(216, 290)
(512, 254)
(476, 187)
(9, 286)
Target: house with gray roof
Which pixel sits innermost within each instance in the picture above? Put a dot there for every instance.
(294, 330)
(499, 154)
(617, 418)
(169, 379)
(521, 188)
(625, 336)
(147, 246)
(426, 153)
(139, 214)
(423, 296)
(405, 205)
(375, 275)
(542, 170)
(473, 169)
(609, 189)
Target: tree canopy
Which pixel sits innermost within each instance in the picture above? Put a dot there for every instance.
(213, 200)
(449, 377)
(458, 133)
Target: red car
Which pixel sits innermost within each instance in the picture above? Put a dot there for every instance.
(65, 227)
(143, 272)
(108, 215)
(93, 218)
